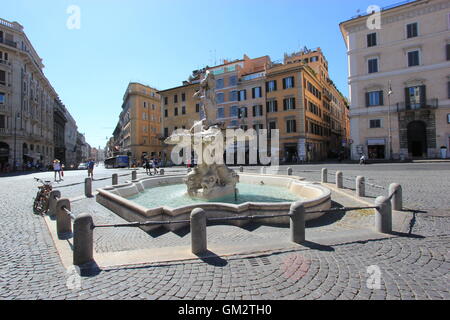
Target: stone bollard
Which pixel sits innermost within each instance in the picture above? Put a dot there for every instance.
(52, 200)
(161, 172)
(297, 224)
(397, 198)
(241, 169)
(289, 171)
(88, 187)
(339, 180)
(83, 239)
(360, 186)
(324, 175)
(115, 179)
(198, 231)
(133, 175)
(63, 220)
(383, 215)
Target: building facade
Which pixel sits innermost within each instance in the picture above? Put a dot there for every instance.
(138, 132)
(399, 78)
(297, 97)
(26, 102)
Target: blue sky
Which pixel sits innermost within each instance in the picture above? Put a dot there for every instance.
(159, 43)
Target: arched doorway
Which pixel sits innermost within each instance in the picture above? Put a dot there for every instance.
(417, 139)
(4, 156)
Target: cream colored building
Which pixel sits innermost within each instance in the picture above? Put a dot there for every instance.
(409, 57)
(27, 102)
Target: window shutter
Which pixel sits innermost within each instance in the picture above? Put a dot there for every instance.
(275, 106)
(407, 98)
(284, 104)
(254, 111)
(448, 51)
(284, 83)
(267, 106)
(423, 96)
(293, 103)
(245, 94)
(275, 85)
(253, 93)
(267, 86)
(381, 98)
(293, 82)
(367, 99)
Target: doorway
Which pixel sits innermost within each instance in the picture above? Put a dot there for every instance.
(417, 139)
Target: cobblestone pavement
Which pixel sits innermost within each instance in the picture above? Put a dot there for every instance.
(413, 267)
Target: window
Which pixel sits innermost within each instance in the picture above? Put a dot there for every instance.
(375, 123)
(271, 86)
(258, 127)
(413, 58)
(220, 97)
(219, 83)
(242, 95)
(166, 113)
(175, 98)
(412, 30)
(288, 83)
(374, 98)
(243, 113)
(153, 107)
(373, 65)
(257, 111)
(2, 121)
(371, 39)
(2, 97)
(415, 97)
(448, 91)
(234, 123)
(166, 100)
(233, 95)
(197, 107)
(145, 105)
(233, 81)
(183, 97)
(2, 77)
(448, 51)
(291, 126)
(183, 110)
(272, 106)
(234, 111)
(315, 59)
(176, 112)
(256, 92)
(289, 104)
(166, 132)
(448, 118)
(220, 113)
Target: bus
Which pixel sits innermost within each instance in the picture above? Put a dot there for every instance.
(117, 162)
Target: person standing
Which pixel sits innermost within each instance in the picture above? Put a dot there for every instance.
(147, 167)
(90, 166)
(154, 164)
(57, 169)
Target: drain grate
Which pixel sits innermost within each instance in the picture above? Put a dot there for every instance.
(258, 262)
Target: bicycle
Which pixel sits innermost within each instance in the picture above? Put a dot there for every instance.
(40, 205)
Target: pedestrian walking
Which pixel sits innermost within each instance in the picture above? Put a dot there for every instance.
(147, 166)
(90, 166)
(154, 164)
(362, 160)
(57, 168)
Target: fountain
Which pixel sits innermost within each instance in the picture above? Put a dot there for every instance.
(207, 180)
(211, 185)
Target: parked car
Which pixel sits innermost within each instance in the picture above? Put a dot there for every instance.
(83, 166)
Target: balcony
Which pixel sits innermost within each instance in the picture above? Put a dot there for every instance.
(5, 131)
(427, 105)
(8, 43)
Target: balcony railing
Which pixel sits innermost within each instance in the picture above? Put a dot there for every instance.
(9, 43)
(428, 104)
(4, 131)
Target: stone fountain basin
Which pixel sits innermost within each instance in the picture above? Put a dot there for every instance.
(315, 197)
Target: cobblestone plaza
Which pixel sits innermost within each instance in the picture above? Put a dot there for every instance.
(332, 264)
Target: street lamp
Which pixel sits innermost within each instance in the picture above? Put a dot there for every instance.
(389, 119)
(17, 116)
